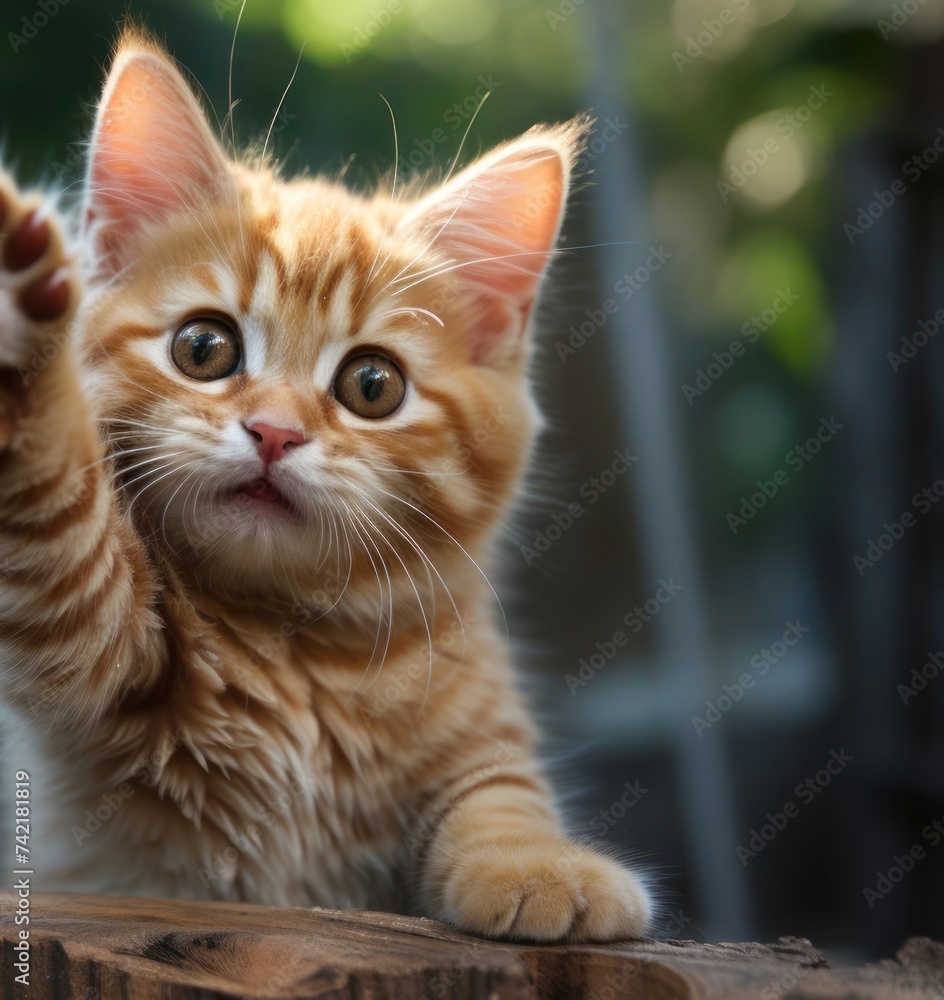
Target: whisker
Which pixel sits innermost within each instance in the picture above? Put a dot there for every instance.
(191, 498)
(422, 253)
(414, 544)
(298, 61)
(436, 270)
(419, 600)
(465, 135)
(173, 466)
(428, 565)
(126, 420)
(146, 461)
(458, 545)
(414, 311)
(230, 105)
(361, 517)
(417, 472)
(117, 454)
(393, 197)
(170, 500)
(356, 527)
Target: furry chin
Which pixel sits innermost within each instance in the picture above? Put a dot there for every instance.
(250, 532)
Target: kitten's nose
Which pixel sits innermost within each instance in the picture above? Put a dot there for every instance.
(273, 442)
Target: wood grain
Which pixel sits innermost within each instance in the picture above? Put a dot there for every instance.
(91, 947)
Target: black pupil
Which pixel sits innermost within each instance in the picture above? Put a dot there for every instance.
(373, 381)
(203, 345)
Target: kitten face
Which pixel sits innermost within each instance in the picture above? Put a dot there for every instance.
(299, 384)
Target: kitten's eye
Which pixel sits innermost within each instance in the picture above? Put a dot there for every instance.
(206, 349)
(370, 385)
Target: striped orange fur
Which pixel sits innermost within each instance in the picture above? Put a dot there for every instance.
(248, 642)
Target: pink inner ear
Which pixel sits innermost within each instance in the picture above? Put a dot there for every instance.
(498, 223)
(151, 153)
(517, 215)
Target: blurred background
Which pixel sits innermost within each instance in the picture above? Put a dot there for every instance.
(728, 585)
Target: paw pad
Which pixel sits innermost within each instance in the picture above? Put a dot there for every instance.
(46, 298)
(27, 243)
(36, 280)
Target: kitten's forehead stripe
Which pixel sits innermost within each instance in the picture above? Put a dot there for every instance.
(207, 274)
(250, 270)
(330, 285)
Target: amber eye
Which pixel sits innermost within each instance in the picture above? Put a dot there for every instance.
(206, 349)
(370, 385)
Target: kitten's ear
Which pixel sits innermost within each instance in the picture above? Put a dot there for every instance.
(152, 152)
(497, 223)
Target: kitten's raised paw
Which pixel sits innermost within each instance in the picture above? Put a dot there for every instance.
(547, 890)
(36, 279)
(37, 295)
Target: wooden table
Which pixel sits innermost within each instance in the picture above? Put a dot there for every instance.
(90, 947)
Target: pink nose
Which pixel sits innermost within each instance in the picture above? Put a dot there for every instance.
(273, 442)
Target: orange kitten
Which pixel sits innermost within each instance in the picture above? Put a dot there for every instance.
(248, 476)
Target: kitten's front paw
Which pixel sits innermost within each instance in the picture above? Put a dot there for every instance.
(38, 295)
(546, 890)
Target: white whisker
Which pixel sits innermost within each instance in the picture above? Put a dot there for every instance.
(458, 545)
(288, 86)
(419, 601)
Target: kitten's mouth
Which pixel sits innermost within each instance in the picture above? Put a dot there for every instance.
(261, 493)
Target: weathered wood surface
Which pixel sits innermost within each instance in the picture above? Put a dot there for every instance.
(90, 947)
